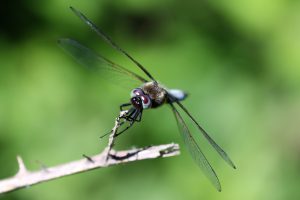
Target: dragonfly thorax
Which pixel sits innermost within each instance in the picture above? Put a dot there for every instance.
(157, 94)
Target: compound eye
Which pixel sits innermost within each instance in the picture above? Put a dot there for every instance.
(146, 101)
(137, 102)
(136, 92)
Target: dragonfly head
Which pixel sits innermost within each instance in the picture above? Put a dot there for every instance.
(139, 99)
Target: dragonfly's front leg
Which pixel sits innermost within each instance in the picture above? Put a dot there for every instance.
(139, 117)
(134, 115)
(124, 105)
(125, 129)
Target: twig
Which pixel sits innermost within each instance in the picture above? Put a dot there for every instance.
(108, 157)
(114, 131)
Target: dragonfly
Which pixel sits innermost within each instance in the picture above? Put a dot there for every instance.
(150, 94)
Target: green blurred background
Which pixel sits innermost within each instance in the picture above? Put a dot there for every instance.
(239, 60)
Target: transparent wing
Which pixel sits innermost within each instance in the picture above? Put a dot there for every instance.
(195, 150)
(221, 152)
(94, 61)
(107, 39)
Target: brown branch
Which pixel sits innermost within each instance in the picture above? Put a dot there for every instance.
(108, 157)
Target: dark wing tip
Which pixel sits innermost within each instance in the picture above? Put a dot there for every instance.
(76, 12)
(218, 186)
(232, 165)
(229, 161)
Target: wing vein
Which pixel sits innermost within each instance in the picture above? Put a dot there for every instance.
(92, 60)
(195, 150)
(220, 151)
(107, 39)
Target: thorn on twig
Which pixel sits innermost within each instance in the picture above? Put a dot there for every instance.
(88, 158)
(22, 167)
(171, 151)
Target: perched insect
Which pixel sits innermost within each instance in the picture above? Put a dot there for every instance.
(149, 95)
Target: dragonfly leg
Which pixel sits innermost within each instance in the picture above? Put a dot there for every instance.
(125, 129)
(126, 118)
(130, 114)
(139, 117)
(124, 105)
(133, 116)
(102, 136)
